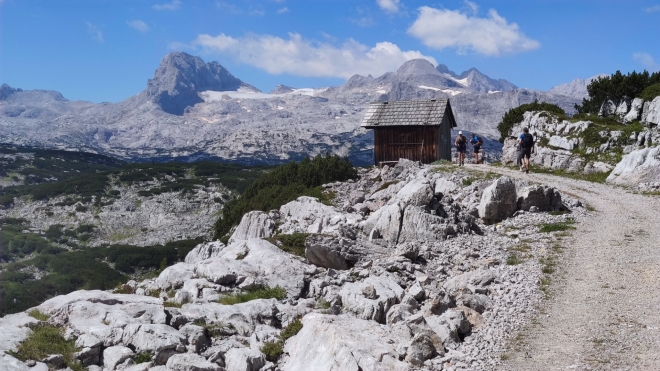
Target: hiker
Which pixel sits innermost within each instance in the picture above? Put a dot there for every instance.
(461, 147)
(526, 142)
(477, 142)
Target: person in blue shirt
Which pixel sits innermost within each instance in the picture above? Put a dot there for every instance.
(476, 142)
(526, 142)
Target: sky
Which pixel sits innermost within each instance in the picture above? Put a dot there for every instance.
(106, 50)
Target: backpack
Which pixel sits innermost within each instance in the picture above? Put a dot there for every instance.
(479, 140)
(527, 141)
(460, 140)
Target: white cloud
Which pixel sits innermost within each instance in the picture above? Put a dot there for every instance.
(173, 5)
(95, 32)
(473, 7)
(494, 36)
(282, 10)
(301, 57)
(646, 60)
(652, 9)
(390, 6)
(138, 25)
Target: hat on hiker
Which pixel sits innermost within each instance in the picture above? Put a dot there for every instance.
(460, 132)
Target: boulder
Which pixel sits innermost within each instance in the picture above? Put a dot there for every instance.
(113, 356)
(652, 113)
(451, 327)
(330, 252)
(475, 281)
(498, 201)
(543, 197)
(478, 302)
(385, 223)
(174, 276)
(444, 186)
(372, 298)
(244, 317)
(635, 112)
(622, 108)
(308, 215)
(421, 348)
(254, 224)
(162, 341)
(564, 143)
(607, 108)
(14, 328)
(333, 343)
(204, 251)
(419, 225)
(417, 192)
(640, 166)
(244, 359)
(477, 321)
(190, 362)
(195, 335)
(398, 313)
(258, 260)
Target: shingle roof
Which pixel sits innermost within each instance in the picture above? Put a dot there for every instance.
(408, 113)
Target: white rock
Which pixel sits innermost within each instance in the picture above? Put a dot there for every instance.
(112, 356)
(444, 186)
(244, 359)
(449, 327)
(417, 192)
(204, 251)
(419, 225)
(652, 113)
(641, 166)
(163, 340)
(13, 330)
(607, 108)
(387, 293)
(564, 143)
(254, 224)
(385, 223)
(543, 197)
(622, 108)
(342, 343)
(190, 362)
(257, 259)
(635, 111)
(308, 215)
(498, 200)
(245, 317)
(174, 276)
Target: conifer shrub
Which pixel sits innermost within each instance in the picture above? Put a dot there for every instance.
(651, 92)
(285, 184)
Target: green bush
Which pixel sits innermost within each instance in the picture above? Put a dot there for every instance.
(515, 115)
(284, 184)
(142, 357)
(651, 92)
(274, 349)
(253, 294)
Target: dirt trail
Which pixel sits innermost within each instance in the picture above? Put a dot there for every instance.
(604, 313)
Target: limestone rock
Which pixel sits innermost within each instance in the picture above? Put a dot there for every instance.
(474, 281)
(398, 313)
(417, 192)
(244, 359)
(635, 112)
(419, 225)
(174, 276)
(564, 143)
(244, 317)
(443, 186)
(652, 113)
(257, 259)
(190, 362)
(640, 166)
(204, 251)
(420, 349)
(330, 252)
(607, 108)
(385, 223)
(449, 327)
(387, 293)
(622, 108)
(333, 343)
(163, 340)
(254, 224)
(498, 201)
(113, 356)
(543, 197)
(308, 215)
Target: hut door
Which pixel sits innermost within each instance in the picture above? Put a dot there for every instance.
(406, 147)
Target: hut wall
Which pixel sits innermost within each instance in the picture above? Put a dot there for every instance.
(395, 142)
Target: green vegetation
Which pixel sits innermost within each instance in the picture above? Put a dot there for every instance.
(216, 330)
(651, 92)
(273, 349)
(143, 357)
(589, 177)
(514, 259)
(36, 314)
(557, 227)
(292, 243)
(284, 184)
(515, 115)
(44, 341)
(617, 86)
(252, 294)
(548, 264)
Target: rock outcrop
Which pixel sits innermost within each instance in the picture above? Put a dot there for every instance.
(498, 201)
(641, 166)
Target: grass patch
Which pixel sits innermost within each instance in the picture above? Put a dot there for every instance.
(591, 177)
(292, 243)
(276, 292)
(548, 265)
(273, 349)
(143, 357)
(514, 259)
(172, 304)
(44, 341)
(557, 227)
(323, 304)
(36, 314)
(520, 248)
(386, 185)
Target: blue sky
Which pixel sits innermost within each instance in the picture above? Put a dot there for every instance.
(105, 50)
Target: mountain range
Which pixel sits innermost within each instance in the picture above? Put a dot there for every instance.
(191, 110)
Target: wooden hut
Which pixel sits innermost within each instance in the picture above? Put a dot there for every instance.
(418, 130)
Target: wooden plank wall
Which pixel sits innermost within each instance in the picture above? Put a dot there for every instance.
(393, 143)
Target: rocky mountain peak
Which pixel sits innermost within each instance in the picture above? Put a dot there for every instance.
(417, 67)
(576, 88)
(6, 91)
(281, 89)
(180, 76)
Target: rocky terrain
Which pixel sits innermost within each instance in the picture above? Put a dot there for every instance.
(622, 140)
(412, 268)
(192, 110)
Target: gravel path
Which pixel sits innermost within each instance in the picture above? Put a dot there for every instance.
(604, 313)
